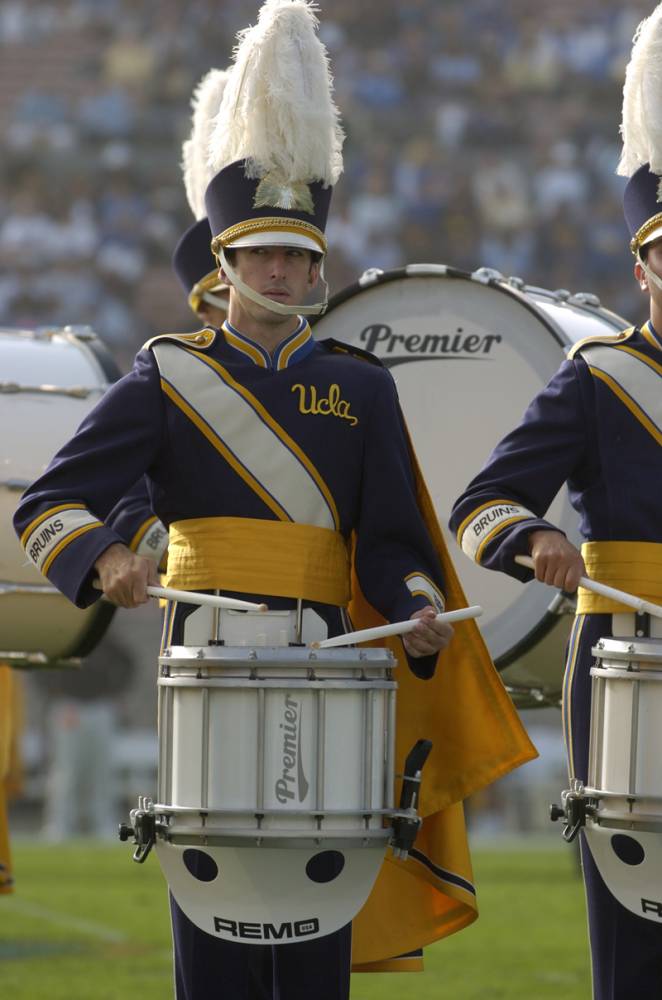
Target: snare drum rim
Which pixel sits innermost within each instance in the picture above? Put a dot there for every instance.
(628, 648)
(301, 657)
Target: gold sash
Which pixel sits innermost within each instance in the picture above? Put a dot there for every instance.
(278, 558)
(635, 567)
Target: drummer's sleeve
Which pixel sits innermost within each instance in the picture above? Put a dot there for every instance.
(140, 529)
(510, 496)
(60, 519)
(396, 562)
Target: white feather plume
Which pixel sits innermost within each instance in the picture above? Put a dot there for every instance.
(641, 127)
(205, 102)
(277, 111)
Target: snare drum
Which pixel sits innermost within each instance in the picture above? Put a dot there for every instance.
(468, 353)
(276, 778)
(49, 381)
(624, 822)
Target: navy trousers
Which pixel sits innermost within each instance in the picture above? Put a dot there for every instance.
(207, 968)
(626, 950)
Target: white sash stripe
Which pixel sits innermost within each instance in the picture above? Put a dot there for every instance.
(54, 530)
(421, 585)
(244, 432)
(635, 377)
(154, 542)
(486, 521)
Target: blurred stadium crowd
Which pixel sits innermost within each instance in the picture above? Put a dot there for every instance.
(478, 133)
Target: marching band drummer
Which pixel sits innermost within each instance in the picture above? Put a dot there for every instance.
(597, 426)
(266, 454)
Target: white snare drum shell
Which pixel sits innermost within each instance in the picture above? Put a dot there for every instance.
(626, 736)
(276, 775)
(624, 832)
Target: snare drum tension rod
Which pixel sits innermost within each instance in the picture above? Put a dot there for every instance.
(406, 822)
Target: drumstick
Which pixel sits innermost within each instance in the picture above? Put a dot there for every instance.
(621, 596)
(397, 628)
(193, 597)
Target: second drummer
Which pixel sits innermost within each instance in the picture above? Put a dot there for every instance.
(598, 427)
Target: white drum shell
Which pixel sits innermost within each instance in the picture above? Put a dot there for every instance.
(276, 741)
(468, 353)
(269, 757)
(626, 735)
(624, 779)
(48, 383)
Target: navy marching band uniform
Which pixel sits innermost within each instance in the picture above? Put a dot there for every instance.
(595, 426)
(336, 416)
(338, 419)
(284, 476)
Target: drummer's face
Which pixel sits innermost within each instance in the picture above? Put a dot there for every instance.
(654, 262)
(654, 258)
(283, 274)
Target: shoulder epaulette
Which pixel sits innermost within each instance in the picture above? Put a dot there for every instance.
(605, 338)
(338, 347)
(200, 340)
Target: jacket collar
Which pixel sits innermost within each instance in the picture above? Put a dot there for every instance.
(289, 352)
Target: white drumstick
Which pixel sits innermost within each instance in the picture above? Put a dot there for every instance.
(193, 597)
(397, 628)
(621, 596)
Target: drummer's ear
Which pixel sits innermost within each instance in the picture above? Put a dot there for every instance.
(640, 275)
(230, 256)
(314, 272)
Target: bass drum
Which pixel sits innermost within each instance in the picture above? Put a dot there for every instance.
(49, 380)
(468, 353)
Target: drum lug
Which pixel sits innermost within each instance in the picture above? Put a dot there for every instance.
(144, 832)
(406, 822)
(574, 810)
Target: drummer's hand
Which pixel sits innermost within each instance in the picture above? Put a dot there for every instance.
(124, 576)
(429, 636)
(556, 561)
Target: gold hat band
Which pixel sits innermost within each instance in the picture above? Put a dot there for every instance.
(265, 225)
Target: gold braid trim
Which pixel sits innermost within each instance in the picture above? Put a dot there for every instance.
(645, 231)
(205, 284)
(265, 225)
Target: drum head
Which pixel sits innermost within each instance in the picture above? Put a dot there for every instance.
(630, 863)
(262, 895)
(468, 353)
(50, 381)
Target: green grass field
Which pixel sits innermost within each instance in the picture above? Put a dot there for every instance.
(85, 923)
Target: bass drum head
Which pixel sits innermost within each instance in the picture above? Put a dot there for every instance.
(51, 379)
(468, 354)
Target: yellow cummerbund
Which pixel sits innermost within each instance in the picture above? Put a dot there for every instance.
(252, 556)
(635, 567)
